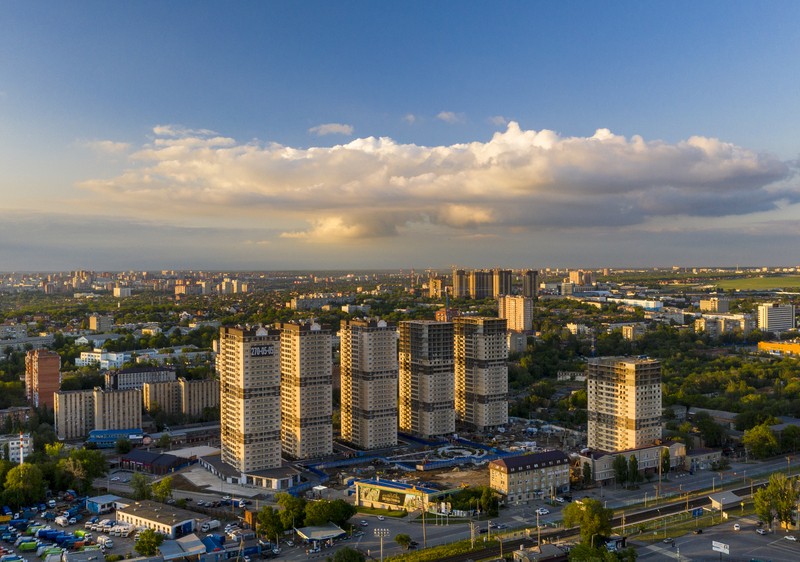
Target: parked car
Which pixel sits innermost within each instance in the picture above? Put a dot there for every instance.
(542, 511)
(791, 538)
(737, 527)
(761, 531)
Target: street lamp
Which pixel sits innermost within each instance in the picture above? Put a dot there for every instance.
(381, 533)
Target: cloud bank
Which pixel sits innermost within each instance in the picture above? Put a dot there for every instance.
(331, 129)
(518, 181)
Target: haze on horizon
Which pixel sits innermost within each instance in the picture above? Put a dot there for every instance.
(264, 136)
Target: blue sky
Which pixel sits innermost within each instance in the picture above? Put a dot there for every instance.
(267, 135)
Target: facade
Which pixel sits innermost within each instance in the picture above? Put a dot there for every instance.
(775, 317)
(634, 331)
(714, 304)
(197, 395)
(501, 282)
(117, 409)
(517, 312)
(249, 370)
(74, 413)
(716, 325)
(306, 390)
(136, 377)
(529, 283)
(481, 284)
(42, 376)
(388, 494)
(20, 445)
(460, 284)
(530, 477)
(481, 372)
(648, 458)
(427, 384)
(103, 359)
(780, 348)
(435, 288)
(624, 403)
(581, 277)
(172, 522)
(369, 383)
(161, 396)
(100, 323)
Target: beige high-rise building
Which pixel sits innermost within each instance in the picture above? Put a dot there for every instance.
(74, 413)
(100, 323)
(435, 288)
(481, 284)
(161, 396)
(481, 372)
(501, 282)
(427, 384)
(42, 376)
(714, 304)
(197, 395)
(517, 312)
(249, 370)
(460, 284)
(306, 389)
(369, 383)
(117, 409)
(624, 403)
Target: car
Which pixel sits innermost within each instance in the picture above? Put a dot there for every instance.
(481, 531)
(276, 550)
(115, 479)
(737, 527)
(698, 531)
(668, 540)
(171, 501)
(381, 518)
(761, 531)
(791, 538)
(542, 511)
(364, 523)
(289, 543)
(226, 498)
(560, 500)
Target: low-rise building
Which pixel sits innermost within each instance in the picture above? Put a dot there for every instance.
(601, 463)
(529, 477)
(170, 521)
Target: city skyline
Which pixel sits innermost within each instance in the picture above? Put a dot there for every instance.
(284, 136)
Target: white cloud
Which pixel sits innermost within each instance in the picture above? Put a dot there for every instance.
(108, 147)
(331, 129)
(450, 117)
(498, 120)
(519, 180)
(180, 131)
(410, 118)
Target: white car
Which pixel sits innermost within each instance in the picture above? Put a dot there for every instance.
(737, 527)
(542, 511)
(381, 518)
(560, 500)
(791, 538)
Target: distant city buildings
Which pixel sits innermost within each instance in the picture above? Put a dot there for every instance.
(715, 304)
(100, 323)
(517, 312)
(136, 377)
(427, 380)
(624, 403)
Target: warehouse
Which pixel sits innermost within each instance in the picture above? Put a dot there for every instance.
(171, 521)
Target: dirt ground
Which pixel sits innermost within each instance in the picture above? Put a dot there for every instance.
(453, 478)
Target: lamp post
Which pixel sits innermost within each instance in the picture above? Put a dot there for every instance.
(380, 533)
(645, 499)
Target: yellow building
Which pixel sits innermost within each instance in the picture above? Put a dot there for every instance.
(530, 477)
(780, 348)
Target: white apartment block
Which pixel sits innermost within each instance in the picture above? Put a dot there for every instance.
(249, 370)
(369, 383)
(306, 390)
(103, 359)
(517, 311)
(74, 413)
(20, 445)
(427, 384)
(481, 372)
(117, 409)
(775, 317)
(624, 403)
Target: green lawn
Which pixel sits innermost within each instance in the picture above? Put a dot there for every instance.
(760, 283)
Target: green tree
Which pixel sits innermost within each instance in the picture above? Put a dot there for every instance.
(489, 502)
(666, 462)
(347, 554)
(92, 461)
(269, 523)
(164, 441)
(760, 441)
(141, 486)
(587, 474)
(593, 519)
(77, 474)
(293, 509)
(403, 540)
(54, 450)
(633, 470)
(123, 445)
(24, 485)
(148, 543)
(162, 490)
(321, 512)
(620, 466)
(762, 503)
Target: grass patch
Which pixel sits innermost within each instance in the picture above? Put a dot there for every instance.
(437, 552)
(384, 512)
(760, 283)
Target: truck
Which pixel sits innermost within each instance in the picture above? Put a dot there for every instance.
(209, 525)
(105, 542)
(51, 503)
(28, 546)
(62, 520)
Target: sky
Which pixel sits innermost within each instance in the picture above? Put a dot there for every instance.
(346, 135)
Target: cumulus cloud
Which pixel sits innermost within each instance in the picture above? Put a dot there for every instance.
(450, 117)
(108, 147)
(331, 129)
(518, 181)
